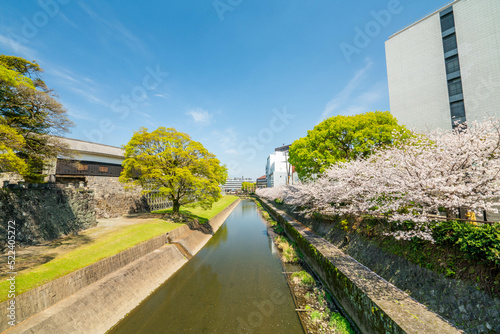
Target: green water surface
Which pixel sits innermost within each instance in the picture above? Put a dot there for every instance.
(233, 285)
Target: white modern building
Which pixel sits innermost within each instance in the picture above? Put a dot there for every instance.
(446, 66)
(278, 170)
(234, 184)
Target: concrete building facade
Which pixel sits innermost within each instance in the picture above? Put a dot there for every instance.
(261, 182)
(446, 67)
(234, 184)
(279, 171)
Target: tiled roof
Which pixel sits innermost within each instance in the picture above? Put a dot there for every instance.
(82, 146)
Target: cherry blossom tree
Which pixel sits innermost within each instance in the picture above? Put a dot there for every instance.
(418, 176)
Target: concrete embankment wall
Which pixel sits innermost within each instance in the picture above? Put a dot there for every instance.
(93, 299)
(375, 305)
(194, 240)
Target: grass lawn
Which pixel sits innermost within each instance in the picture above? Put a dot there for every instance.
(204, 215)
(92, 250)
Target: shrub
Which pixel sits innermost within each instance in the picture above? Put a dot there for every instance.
(316, 316)
(305, 278)
(340, 324)
(481, 242)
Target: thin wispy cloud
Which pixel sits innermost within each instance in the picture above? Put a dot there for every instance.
(231, 151)
(226, 138)
(89, 96)
(62, 74)
(200, 116)
(113, 27)
(75, 113)
(17, 47)
(68, 21)
(344, 100)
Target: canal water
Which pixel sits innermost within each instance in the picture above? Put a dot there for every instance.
(233, 285)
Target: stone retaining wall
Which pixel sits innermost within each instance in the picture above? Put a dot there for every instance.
(375, 305)
(45, 213)
(113, 199)
(462, 303)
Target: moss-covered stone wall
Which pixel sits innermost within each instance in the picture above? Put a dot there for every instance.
(375, 305)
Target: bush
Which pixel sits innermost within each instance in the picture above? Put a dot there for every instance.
(289, 251)
(305, 278)
(340, 324)
(481, 242)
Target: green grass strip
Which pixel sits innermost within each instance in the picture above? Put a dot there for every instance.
(102, 247)
(204, 215)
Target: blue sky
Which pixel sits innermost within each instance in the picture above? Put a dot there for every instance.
(240, 76)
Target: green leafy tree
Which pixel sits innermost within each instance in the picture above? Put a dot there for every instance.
(180, 168)
(10, 143)
(342, 138)
(29, 109)
(248, 186)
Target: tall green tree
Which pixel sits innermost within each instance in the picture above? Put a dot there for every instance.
(179, 167)
(10, 143)
(29, 108)
(248, 186)
(342, 138)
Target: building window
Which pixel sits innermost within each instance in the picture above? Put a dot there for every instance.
(103, 169)
(83, 167)
(447, 22)
(457, 110)
(455, 86)
(457, 113)
(452, 65)
(450, 43)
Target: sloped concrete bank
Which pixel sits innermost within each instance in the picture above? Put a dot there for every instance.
(93, 299)
(375, 305)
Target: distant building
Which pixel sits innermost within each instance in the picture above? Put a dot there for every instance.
(262, 182)
(234, 184)
(278, 171)
(446, 66)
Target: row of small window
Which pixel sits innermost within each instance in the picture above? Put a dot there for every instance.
(452, 64)
(450, 43)
(455, 87)
(447, 22)
(82, 167)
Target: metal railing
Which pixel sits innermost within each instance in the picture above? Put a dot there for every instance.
(156, 201)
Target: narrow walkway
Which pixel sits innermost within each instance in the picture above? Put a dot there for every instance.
(366, 296)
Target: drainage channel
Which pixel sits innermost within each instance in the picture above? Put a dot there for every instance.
(233, 285)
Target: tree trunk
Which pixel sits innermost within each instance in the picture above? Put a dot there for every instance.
(176, 206)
